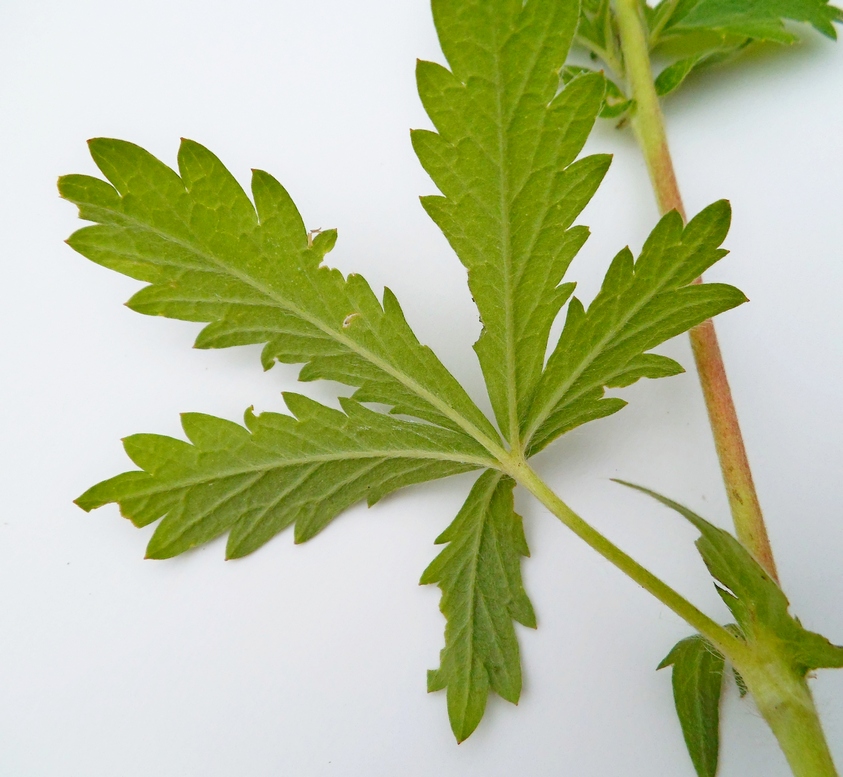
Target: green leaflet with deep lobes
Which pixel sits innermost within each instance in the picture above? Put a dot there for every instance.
(280, 470)
(640, 305)
(479, 573)
(251, 272)
(503, 157)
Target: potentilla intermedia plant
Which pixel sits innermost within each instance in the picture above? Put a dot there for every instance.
(511, 116)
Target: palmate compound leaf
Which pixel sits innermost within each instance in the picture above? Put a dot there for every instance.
(250, 271)
(756, 19)
(480, 576)
(208, 256)
(279, 470)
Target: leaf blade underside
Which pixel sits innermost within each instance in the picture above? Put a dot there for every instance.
(503, 158)
(641, 304)
(482, 594)
(279, 470)
(250, 273)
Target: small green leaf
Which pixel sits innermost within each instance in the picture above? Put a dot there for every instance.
(479, 573)
(697, 687)
(253, 482)
(758, 604)
(593, 19)
(672, 77)
(615, 102)
(597, 33)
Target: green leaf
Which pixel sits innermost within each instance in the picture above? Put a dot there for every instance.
(697, 687)
(482, 593)
(640, 305)
(756, 19)
(758, 604)
(210, 255)
(255, 481)
(673, 76)
(502, 157)
(594, 16)
(615, 102)
(596, 32)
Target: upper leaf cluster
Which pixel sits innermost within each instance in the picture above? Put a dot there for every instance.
(694, 34)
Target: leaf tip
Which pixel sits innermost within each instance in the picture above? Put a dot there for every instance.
(157, 552)
(83, 504)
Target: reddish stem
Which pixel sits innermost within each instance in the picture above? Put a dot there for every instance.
(648, 124)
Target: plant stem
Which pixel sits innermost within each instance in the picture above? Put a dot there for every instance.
(786, 703)
(729, 645)
(783, 698)
(648, 125)
(782, 695)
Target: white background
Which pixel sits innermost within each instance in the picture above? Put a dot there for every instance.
(310, 660)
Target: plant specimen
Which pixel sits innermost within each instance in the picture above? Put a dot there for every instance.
(504, 159)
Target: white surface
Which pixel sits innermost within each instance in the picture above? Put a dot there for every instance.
(310, 660)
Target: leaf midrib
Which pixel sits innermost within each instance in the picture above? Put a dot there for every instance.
(509, 301)
(318, 459)
(473, 592)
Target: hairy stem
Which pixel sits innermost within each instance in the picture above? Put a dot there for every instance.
(729, 645)
(787, 705)
(648, 125)
(784, 699)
